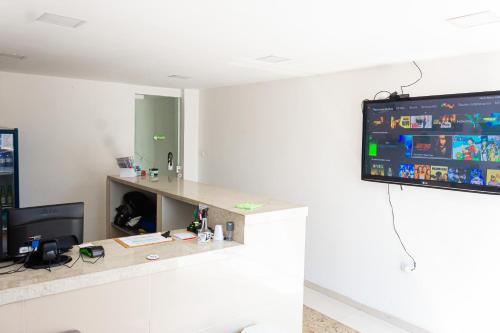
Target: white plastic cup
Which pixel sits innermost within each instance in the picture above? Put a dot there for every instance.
(218, 233)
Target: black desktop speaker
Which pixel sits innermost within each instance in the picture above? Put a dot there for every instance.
(49, 250)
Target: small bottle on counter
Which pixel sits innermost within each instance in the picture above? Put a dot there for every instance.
(229, 231)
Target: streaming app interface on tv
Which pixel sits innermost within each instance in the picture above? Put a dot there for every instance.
(454, 140)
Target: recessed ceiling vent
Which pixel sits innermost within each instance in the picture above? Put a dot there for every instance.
(62, 21)
(272, 59)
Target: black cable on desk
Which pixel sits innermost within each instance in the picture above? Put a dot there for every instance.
(80, 256)
(9, 265)
(24, 260)
(90, 261)
(74, 262)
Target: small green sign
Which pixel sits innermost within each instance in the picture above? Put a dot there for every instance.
(159, 137)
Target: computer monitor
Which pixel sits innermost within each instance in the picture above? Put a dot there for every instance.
(62, 223)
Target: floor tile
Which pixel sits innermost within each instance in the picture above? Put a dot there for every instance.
(346, 314)
(315, 322)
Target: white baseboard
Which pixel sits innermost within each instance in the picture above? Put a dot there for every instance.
(371, 311)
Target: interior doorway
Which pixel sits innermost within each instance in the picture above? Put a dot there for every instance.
(158, 133)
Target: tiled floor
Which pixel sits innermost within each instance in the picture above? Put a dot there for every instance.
(354, 319)
(315, 322)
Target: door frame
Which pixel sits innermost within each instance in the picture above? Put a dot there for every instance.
(176, 93)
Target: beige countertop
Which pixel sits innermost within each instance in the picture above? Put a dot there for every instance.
(118, 263)
(194, 192)
(122, 263)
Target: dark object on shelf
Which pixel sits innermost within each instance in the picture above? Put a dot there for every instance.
(125, 229)
(147, 223)
(136, 204)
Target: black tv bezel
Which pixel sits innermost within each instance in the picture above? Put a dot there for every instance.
(417, 182)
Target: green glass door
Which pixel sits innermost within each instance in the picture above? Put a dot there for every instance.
(157, 133)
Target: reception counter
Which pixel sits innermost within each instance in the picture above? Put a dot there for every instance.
(119, 263)
(219, 286)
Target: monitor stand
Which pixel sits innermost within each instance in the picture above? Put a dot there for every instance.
(36, 262)
(46, 255)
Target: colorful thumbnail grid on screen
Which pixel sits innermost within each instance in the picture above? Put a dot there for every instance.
(442, 141)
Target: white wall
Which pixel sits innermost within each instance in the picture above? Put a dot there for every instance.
(191, 133)
(300, 140)
(70, 133)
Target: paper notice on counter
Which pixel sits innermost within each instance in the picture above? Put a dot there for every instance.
(143, 240)
(185, 235)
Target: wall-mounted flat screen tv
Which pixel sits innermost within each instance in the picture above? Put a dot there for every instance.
(446, 141)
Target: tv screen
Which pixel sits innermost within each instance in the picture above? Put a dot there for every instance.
(446, 141)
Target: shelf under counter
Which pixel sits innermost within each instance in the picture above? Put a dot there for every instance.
(171, 212)
(125, 230)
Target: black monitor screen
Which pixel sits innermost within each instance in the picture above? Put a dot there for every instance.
(447, 141)
(63, 222)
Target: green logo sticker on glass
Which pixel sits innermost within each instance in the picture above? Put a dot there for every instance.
(159, 137)
(372, 149)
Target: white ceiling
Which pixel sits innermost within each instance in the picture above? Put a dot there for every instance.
(216, 42)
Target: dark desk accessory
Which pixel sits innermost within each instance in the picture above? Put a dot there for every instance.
(166, 234)
(46, 256)
(92, 251)
(194, 226)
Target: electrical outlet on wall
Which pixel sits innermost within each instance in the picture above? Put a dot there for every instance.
(406, 267)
